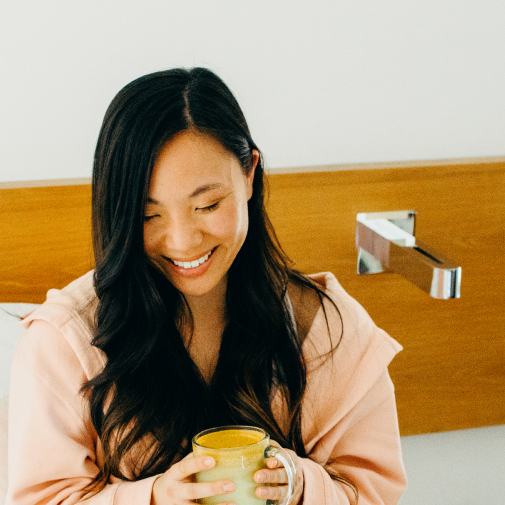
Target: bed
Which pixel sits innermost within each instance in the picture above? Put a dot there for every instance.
(451, 374)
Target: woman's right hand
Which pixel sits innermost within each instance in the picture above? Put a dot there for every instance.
(177, 485)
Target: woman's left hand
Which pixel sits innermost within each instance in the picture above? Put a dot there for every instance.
(276, 474)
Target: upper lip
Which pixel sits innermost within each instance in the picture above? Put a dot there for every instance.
(193, 258)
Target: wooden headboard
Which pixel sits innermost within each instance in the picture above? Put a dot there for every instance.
(451, 374)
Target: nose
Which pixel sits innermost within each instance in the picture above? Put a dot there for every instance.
(183, 235)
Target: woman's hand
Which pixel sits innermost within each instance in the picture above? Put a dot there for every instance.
(277, 475)
(177, 485)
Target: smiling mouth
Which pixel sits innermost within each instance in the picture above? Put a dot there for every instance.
(188, 265)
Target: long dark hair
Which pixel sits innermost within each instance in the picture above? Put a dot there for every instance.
(150, 389)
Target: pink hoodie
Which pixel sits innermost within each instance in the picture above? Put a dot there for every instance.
(349, 418)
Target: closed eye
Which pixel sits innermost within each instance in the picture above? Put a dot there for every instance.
(148, 218)
(210, 208)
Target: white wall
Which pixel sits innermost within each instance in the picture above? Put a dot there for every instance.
(321, 81)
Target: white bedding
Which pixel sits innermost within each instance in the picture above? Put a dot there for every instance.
(10, 331)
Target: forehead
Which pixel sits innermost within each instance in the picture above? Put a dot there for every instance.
(190, 160)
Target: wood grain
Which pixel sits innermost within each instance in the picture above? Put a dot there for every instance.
(45, 240)
(451, 374)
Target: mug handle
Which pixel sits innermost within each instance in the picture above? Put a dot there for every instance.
(284, 457)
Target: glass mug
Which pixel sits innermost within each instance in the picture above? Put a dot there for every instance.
(240, 451)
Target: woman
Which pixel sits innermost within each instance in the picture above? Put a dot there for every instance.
(193, 319)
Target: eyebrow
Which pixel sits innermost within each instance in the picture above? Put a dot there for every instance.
(196, 192)
(205, 188)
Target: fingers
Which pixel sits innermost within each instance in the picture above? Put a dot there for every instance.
(278, 476)
(191, 465)
(272, 475)
(272, 492)
(187, 492)
(195, 491)
(274, 463)
(275, 477)
(177, 484)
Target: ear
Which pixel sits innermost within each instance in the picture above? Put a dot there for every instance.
(250, 175)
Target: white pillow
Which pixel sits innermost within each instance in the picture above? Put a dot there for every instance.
(10, 331)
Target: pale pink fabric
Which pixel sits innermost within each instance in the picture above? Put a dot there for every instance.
(349, 413)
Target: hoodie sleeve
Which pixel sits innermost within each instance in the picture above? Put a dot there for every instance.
(364, 447)
(349, 418)
(52, 442)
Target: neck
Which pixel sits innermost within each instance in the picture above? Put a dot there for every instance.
(208, 311)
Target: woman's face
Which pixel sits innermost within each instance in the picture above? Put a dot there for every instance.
(196, 218)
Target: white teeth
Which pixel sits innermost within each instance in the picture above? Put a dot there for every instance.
(193, 264)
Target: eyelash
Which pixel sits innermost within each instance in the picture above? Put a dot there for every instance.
(210, 208)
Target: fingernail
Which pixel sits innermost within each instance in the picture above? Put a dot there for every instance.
(229, 487)
(261, 477)
(208, 461)
(262, 492)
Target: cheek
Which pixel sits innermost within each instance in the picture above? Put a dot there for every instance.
(150, 240)
(231, 224)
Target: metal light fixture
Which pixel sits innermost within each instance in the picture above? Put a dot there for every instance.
(386, 242)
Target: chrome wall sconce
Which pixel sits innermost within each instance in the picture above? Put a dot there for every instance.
(386, 242)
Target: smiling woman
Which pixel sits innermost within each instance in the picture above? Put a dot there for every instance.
(194, 319)
(196, 216)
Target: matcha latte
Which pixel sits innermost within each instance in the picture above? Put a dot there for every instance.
(239, 452)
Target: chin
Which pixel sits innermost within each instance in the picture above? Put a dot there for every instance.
(196, 288)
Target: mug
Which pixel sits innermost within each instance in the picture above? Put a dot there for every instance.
(239, 452)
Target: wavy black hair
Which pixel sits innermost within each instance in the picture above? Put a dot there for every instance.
(150, 389)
